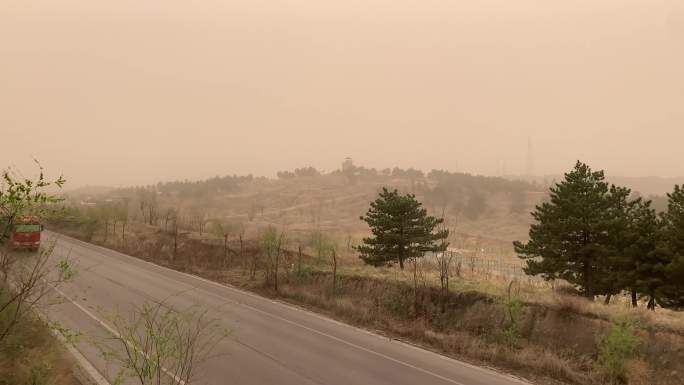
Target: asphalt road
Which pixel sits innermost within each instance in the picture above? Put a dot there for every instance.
(269, 343)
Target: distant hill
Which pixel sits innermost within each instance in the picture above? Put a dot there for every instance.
(648, 185)
(304, 199)
(88, 191)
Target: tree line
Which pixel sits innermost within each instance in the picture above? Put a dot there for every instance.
(606, 240)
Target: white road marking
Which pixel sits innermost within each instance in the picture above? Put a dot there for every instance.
(92, 372)
(324, 318)
(356, 346)
(290, 307)
(83, 362)
(114, 332)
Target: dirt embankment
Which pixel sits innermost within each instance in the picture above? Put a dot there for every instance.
(31, 354)
(565, 340)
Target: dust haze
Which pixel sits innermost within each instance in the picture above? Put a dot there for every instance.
(133, 92)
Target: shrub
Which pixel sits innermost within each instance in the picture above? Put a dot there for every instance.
(398, 302)
(618, 346)
(514, 309)
(304, 274)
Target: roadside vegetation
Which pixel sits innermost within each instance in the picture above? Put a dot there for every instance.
(155, 344)
(545, 326)
(603, 241)
(32, 355)
(29, 353)
(158, 345)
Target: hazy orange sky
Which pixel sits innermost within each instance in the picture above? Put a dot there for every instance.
(128, 92)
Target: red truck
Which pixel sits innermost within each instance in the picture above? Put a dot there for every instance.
(26, 233)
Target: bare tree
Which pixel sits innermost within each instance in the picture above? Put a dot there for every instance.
(241, 229)
(175, 233)
(350, 244)
(122, 216)
(156, 345)
(198, 220)
(472, 262)
(224, 229)
(253, 265)
(319, 243)
(148, 205)
(25, 283)
(169, 214)
(443, 263)
(328, 247)
(299, 260)
(444, 259)
(333, 260)
(272, 247)
(107, 215)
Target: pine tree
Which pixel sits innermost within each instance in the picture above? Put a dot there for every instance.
(673, 294)
(672, 249)
(402, 230)
(638, 265)
(614, 269)
(674, 220)
(569, 239)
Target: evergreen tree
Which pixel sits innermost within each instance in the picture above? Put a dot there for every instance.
(674, 220)
(614, 269)
(639, 264)
(402, 230)
(672, 249)
(673, 293)
(569, 237)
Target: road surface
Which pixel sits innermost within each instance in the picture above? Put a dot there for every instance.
(269, 343)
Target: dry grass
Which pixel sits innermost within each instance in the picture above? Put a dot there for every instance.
(472, 339)
(332, 204)
(662, 320)
(638, 372)
(556, 335)
(33, 356)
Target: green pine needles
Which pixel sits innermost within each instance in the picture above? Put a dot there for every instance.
(618, 346)
(605, 241)
(402, 230)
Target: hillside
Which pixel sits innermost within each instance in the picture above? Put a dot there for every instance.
(304, 200)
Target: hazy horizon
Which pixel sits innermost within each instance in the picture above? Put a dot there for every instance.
(130, 93)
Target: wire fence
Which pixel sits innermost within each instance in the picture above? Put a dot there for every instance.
(480, 265)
